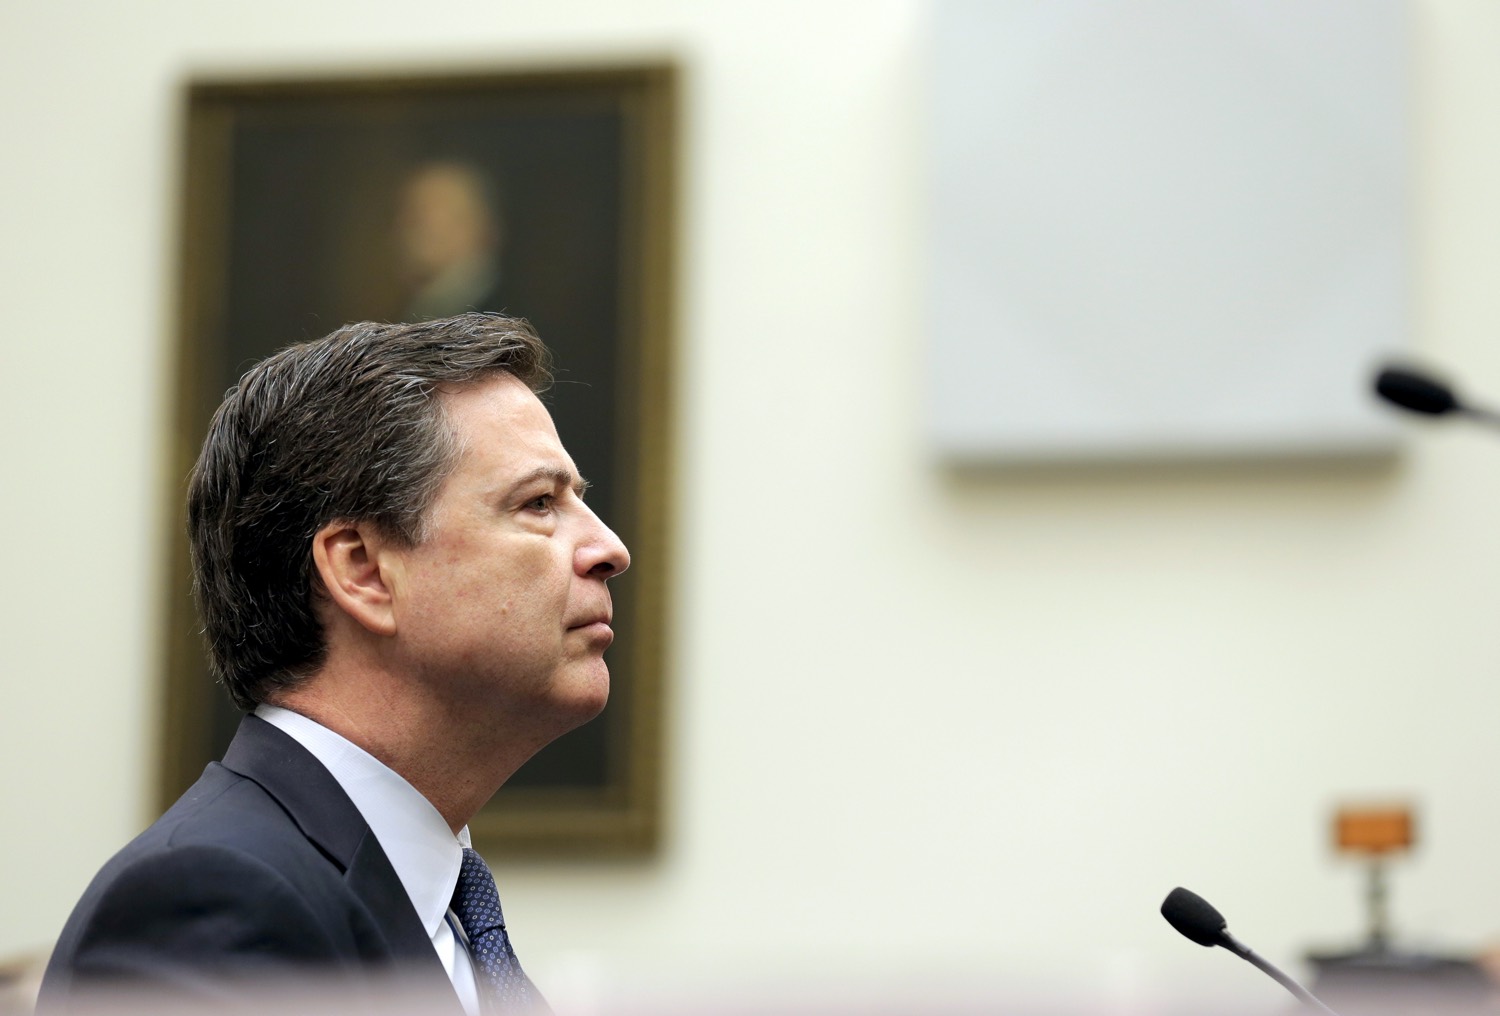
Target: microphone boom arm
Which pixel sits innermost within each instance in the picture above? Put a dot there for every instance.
(1254, 958)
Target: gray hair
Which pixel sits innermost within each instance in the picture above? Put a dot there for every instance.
(350, 428)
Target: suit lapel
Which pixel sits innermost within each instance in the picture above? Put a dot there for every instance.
(370, 876)
(325, 815)
(309, 793)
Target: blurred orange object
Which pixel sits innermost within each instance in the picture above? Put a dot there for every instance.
(1382, 829)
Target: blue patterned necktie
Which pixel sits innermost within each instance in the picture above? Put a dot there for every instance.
(502, 984)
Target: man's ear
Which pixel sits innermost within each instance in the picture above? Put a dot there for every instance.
(347, 557)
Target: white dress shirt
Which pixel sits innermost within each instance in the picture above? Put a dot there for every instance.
(415, 837)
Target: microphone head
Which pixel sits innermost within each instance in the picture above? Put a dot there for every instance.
(1415, 391)
(1194, 917)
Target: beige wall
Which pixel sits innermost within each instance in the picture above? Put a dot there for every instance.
(982, 723)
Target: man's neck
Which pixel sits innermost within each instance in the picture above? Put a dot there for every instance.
(457, 759)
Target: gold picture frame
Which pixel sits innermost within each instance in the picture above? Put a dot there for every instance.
(303, 209)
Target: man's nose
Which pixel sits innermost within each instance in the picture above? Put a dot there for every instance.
(602, 553)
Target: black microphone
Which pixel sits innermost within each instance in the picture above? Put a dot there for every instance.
(1418, 392)
(1196, 919)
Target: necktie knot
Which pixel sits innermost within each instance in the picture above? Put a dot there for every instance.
(476, 903)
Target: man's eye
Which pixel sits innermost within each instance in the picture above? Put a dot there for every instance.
(540, 504)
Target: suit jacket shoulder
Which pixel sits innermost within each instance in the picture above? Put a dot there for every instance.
(264, 869)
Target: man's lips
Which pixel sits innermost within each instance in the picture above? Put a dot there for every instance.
(596, 632)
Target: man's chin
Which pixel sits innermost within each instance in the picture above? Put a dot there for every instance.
(580, 695)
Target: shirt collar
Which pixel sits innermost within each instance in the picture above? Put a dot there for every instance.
(416, 839)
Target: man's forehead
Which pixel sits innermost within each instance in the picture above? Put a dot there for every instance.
(501, 425)
(499, 408)
(501, 385)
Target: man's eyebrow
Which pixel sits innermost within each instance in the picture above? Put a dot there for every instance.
(559, 476)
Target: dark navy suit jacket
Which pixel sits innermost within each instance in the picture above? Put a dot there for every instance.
(263, 870)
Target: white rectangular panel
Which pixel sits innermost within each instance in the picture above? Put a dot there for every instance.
(1165, 228)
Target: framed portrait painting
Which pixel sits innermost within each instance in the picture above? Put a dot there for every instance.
(546, 195)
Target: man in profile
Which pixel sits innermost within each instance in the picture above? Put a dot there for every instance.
(400, 582)
(449, 236)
